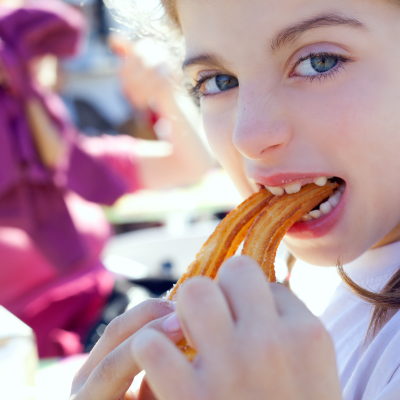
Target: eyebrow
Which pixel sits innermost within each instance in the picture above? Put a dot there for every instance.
(290, 35)
(286, 37)
(206, 59)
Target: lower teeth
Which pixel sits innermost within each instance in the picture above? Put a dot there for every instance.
(326, 207)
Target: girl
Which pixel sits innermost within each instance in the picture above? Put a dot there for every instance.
(292, 91)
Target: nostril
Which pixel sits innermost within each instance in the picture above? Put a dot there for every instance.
(271, 148)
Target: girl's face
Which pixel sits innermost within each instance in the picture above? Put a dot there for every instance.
(293, 90)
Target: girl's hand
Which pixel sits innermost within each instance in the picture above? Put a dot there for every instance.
(109, 371)
(255, 341)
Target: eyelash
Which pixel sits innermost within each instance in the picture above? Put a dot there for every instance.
(195, 90)
(323, 76)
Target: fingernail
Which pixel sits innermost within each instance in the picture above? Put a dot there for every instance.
(172, 324)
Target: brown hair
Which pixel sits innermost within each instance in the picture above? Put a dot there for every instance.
(171, 12)
(389, 297)
(387, 300)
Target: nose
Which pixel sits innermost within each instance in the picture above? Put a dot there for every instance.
(262, 129)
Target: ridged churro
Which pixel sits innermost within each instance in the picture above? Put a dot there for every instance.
(265, 219)
(274, 221)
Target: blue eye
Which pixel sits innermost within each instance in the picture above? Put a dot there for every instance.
(220, 83)
(317, 64)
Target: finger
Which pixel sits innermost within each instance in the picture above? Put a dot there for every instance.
(131, 396)
(120, 329)
(247, 291)
(114, 374)
(145, 393)
(163, 363)
(205, 315)
(287, 304)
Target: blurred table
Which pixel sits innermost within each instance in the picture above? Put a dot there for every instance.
(215, 194)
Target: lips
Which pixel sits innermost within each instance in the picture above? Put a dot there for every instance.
(284, 179)
(322, 218)
(318, 227)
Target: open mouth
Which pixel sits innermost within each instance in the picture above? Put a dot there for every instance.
(322, 209)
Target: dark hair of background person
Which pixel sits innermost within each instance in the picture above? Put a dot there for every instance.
(103, 27)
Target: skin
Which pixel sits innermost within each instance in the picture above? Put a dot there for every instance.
(263, 343)
(278, 123)
(278, 351)
(110, 368)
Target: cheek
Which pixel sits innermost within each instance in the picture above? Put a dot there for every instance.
(219, 118)
(356, 128)
(352, 123)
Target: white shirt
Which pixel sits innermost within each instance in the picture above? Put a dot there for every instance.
(367, 370)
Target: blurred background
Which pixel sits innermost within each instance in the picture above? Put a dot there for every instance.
(107, 187)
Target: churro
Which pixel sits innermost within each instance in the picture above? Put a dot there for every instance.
(261, 221)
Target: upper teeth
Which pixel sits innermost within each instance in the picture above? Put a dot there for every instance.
(324, 208)
(321, 181)
(276, 190)
(294, 187)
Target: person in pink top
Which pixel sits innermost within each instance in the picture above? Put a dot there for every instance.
(53, 180)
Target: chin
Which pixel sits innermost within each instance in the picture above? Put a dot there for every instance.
(325, 255)
(317, 256)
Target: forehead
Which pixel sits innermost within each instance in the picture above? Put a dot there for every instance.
(212, 25)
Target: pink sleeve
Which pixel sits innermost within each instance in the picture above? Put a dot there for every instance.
(119, 153)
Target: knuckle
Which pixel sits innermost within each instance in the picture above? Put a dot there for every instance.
(155, 308)
(262, 348)
(257, 337)
(78, 381)
(312, 334)
(240, 262)
(151, 349)
(106, 370)
(272, 348)
(113, 329)
(196, 289)
(150, 309)
(239, 268)
(315, 330)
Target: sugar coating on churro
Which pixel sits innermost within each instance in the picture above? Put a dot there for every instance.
(261, 221)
